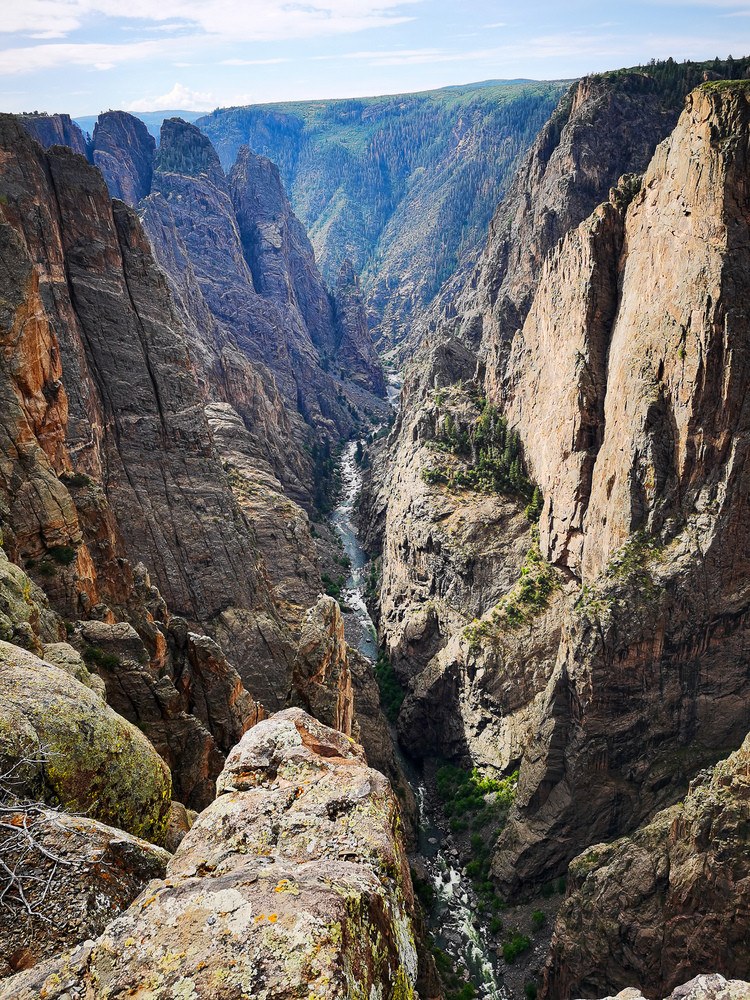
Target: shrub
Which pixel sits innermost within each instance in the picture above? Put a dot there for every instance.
(562, 884)
(530, 991)
(547, 889)
(76, 480)
(496, 925)
(46, 569)
(515, 945)
(110, 661)
(538, 919)
(391, 693)
(92, 654)
(63, 554)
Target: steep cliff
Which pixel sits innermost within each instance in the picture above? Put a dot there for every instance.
(260, 320)
(656, 639)
(55, 130)
(128, 176)
(654, 908)
(108, 460)
(610, 352)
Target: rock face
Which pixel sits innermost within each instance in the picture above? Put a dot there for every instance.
(603, 128)
(294, 879)
(76, 875)
(622, 381)
(244, 272)
(55, 130)
(355, 351)
(670, 464)
(655, 908)
(321, 679)
(107, 437)
(65, 746)
(128, 177)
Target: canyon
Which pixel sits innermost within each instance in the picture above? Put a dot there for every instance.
(552, 545)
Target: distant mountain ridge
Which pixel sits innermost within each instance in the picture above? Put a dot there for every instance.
(402, 185)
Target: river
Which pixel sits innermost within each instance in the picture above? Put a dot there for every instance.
(452, 919)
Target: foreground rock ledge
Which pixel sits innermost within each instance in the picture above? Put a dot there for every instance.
(293, 883)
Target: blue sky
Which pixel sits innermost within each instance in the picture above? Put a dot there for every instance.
(84, 56)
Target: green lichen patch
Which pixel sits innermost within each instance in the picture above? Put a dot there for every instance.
(87, 758)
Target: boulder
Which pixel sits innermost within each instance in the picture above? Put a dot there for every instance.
(65, 746)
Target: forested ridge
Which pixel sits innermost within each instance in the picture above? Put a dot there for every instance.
(401, 185)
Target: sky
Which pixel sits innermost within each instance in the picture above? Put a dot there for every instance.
(87, 56)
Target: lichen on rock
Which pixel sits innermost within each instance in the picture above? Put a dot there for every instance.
(294, 882)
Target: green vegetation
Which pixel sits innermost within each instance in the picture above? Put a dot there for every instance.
(527, 598)
(350, 166)
(92, 654)
(538, 919)
(468, 798)
(333, 587)
(673, 80)
(515, 945)
(530, 991)
(391, 693)
(62, 554)
(494, 456)
(76, 480)
(183, 150)
(454, 989)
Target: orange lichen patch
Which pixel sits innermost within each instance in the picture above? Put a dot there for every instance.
(273, 917)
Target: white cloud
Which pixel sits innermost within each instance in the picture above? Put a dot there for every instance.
(252, 62)
(237, 20)
(40, 57)
(179, 97)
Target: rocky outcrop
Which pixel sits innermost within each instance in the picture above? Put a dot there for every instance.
(55, 130)
(26, 618)
(656, 907)
(321, 681)
(294, 879)
(64, 746)
(276, 247)
(705, 987)
(189, 701)
(76, 875)
(123, 149)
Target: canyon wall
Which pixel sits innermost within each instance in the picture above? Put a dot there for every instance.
(611, 339)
